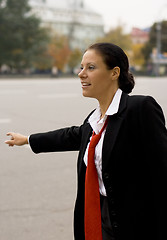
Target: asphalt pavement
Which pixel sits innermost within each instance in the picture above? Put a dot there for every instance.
(37, 192)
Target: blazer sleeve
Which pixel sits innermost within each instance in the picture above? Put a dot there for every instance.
(65, 139)
(153, 128)
(60, 140)
(155, 151)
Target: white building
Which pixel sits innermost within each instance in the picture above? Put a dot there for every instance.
(71, 18)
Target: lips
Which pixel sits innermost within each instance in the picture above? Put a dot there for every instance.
(85, 84)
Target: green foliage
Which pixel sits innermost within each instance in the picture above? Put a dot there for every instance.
(149, 46)
(22, 39)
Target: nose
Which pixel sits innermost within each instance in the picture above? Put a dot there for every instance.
(82, 74)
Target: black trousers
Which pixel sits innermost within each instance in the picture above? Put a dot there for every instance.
(106, 223)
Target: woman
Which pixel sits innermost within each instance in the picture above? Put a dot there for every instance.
(130, 155)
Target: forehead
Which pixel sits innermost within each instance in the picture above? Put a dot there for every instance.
(91, 56)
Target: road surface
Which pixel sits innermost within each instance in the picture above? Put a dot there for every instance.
(37, 192)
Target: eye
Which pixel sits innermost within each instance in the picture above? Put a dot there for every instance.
(91, 67)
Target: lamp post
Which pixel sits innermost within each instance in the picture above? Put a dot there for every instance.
(158, 46)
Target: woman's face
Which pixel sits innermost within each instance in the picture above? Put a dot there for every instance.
(97, 81)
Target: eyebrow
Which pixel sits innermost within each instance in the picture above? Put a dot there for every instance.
(88, 64)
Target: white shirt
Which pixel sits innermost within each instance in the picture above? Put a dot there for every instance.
(97, 124)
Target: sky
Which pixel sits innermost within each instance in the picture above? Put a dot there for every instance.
(130, 13)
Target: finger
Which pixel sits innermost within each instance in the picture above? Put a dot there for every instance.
(10, 134)
(10, 142)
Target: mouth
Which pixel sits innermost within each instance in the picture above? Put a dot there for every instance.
(85, 84)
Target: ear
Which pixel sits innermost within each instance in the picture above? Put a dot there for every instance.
(115, 73)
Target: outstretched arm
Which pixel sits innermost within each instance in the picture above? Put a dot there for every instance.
(16, 139)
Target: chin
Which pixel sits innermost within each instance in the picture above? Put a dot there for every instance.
(87, 94)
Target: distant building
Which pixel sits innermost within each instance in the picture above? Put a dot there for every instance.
(139, 35)
(71, 18)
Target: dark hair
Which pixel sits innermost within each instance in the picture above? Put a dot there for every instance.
(114, 56)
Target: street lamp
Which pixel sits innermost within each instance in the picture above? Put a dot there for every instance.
(158, 46)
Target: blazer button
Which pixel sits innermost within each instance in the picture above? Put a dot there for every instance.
(115, 225)
(106, 176)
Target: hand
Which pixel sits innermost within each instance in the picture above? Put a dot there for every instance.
(16, 139)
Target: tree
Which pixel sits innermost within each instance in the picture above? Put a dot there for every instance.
(137, 58)
(22, 39)
(118, 37)
(152, 43)
(74, 59)
(59, 51)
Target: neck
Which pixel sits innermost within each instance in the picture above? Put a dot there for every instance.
(105, 103)
(103, 109)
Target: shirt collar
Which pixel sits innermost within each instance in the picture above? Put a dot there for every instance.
(113, 108)
(95, 121)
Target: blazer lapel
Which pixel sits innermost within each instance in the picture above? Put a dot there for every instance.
(87, 131)
(112, 131)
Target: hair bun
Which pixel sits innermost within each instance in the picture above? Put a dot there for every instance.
(131, 78)
(127, 83)
(131, 82)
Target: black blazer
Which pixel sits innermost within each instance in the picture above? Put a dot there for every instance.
(134, 168)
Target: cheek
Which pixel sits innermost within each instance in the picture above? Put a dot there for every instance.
(101, 80)
(97, 78)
